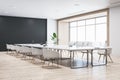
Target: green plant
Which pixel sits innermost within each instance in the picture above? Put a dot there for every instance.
(54, 38)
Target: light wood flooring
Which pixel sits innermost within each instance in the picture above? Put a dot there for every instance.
(12, 68)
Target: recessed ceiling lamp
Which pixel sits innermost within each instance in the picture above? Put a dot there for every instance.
(76, 4)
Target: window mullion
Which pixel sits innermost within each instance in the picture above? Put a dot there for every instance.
(85, 29)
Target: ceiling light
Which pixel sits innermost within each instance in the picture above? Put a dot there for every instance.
(76, 13)
(76, 4)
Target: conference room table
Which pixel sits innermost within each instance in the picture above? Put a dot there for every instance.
(72, 51)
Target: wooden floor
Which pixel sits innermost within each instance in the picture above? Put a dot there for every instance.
(12, 68)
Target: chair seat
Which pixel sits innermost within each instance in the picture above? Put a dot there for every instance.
(101, 53)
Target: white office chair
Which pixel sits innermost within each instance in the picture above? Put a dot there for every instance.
(36, 53)
(25, 51)
(11, 49)
(82, 44)
(102, 52)
(79, 44)
(49, 55)
(71, 44)
(16, 49)
(8, 47)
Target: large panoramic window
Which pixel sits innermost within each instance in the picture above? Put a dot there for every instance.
(91, 29)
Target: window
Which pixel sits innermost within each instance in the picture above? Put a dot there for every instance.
(73, 24)
(101, 20)
(81, 33)
(90, 22)
(90, 33)
(94, 29)
(73, 34)
(81, 23)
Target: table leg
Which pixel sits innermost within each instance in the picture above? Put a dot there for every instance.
(73, 58)
(70, 59)
(60, 55)
(87, 58)
(106, 55)
(92, 58)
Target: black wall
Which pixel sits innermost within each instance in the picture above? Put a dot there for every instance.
(18, 30)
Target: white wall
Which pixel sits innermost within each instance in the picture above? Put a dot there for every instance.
(51, 27)
(115, 30)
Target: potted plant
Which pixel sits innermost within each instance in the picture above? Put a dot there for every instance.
(54, 38)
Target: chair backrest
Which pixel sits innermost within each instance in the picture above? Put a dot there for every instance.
(101, 51)
(17, 48)
(70, 44)
(109, 51)
(7, 46)
(83, 44)
(36, 51)
(49, 54)
(25, 49)
(12, 47)
(90, 44)
(79, 44)
(99, 44)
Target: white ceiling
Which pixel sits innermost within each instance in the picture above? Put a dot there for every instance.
(54, 9)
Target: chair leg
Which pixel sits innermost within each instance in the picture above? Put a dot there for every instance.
(43, 63)
(110, 58)
(83, 55)
(104, 56)
(52, 62)
(33, 60)
(76, 54)
(58, 63)
(49, 63)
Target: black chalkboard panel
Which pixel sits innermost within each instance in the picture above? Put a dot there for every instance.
(20, 30)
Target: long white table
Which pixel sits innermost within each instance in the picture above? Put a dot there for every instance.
(72, 50)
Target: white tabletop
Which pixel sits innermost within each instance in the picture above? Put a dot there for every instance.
(65, 47)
